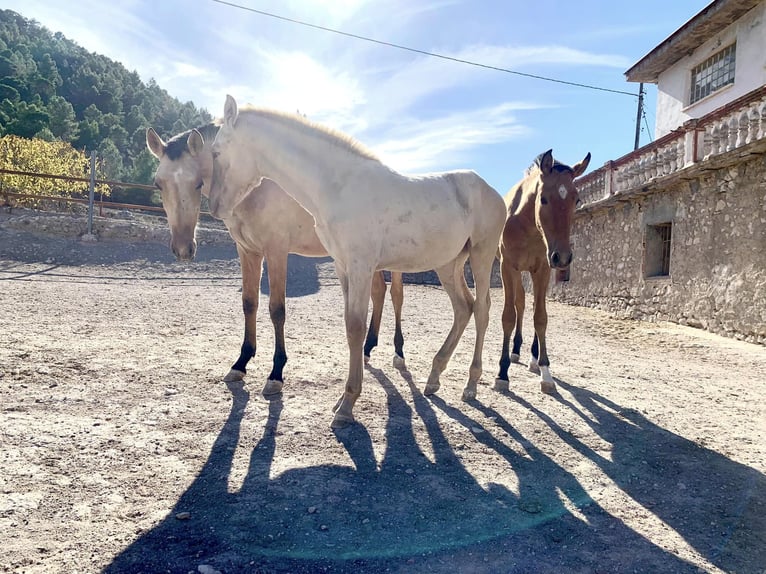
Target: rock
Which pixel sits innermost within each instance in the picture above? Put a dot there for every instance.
(183, 516)
(530, 506)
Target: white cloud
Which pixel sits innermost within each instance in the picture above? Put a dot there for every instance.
(187, 70)
(296, 81)
(333, 11)
(415, 146)
(111, 29)
(421, 78)
(522, 56)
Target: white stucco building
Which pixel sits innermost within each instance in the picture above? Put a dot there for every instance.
(714, 58)
(676, 230)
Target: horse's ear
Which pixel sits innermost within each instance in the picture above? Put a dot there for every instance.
(546, 162)
(155, 143)
(580, 168)
(230, 111)
(195, 142)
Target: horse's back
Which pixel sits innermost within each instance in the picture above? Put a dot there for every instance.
(486, 204)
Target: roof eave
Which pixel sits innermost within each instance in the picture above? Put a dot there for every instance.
(709, 21)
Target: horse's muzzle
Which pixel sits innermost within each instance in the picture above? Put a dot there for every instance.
(185, 251)
(560, 259)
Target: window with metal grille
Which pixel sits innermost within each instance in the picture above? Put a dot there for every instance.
(713, 74)
(657, 254)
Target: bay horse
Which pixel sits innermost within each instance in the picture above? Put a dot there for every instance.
(369, 217)
(535, 239)
(268, 224)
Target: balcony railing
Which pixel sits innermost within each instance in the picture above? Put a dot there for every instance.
(734, 125)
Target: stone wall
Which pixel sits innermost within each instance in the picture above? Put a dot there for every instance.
(126, 226)
(717, 278)
(121, 226)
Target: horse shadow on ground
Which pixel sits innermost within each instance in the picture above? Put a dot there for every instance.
(406, 513)
(302, 275)
(716, 504)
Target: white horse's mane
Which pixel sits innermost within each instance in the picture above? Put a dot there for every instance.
(312, 128)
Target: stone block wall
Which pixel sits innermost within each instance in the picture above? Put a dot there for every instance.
(717, 277)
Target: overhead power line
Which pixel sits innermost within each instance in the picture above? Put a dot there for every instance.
(423, 52)
(648, 131)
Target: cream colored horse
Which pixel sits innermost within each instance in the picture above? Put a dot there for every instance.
(535, 239)
(369, 217)
(268, 224)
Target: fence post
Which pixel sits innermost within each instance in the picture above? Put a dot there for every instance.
(91, 194)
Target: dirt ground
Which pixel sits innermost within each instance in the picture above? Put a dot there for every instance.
(123, 452)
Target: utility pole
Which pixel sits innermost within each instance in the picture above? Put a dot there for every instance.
(639, 113)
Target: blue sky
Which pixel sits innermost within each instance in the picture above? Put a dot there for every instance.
(418, 113)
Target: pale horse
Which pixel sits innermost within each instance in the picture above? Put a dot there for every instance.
(369, 217)
(268, 224)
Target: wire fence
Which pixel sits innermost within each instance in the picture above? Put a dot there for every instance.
(8, 194)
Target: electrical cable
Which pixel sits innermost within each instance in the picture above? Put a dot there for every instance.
(417, 51)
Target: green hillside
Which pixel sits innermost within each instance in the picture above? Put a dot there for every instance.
(53, 89)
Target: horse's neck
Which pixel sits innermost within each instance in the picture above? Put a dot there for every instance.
(523, 203)
(205, 159)
(205, 165)
(305, 166)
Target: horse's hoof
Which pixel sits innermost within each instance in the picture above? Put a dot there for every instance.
(399, 363)
(233, 376)
(501, 385)
(534, 368)
(272, 388)
(341, 420)
(515, 358)
(431, 388)
(548, 387)
(468, 395)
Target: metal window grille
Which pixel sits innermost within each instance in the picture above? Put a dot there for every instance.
(664, 231)
(713, 74)
(657, 247)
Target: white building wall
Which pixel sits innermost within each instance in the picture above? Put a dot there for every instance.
(674, 84)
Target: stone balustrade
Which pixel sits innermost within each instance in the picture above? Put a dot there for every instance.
(737, 124)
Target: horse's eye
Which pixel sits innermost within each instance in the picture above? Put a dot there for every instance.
(199, 186)
(543, 201)
(216, 154)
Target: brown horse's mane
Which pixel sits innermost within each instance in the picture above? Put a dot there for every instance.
(557, 166)
(309, 127)
(522, 193)
(176, 146)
